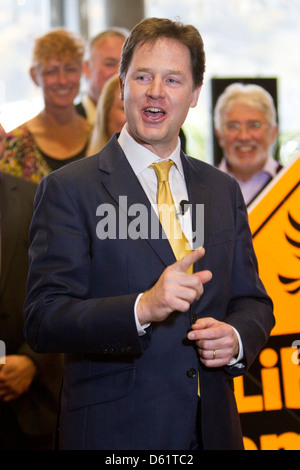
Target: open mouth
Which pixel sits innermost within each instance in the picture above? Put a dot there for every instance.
(154, 113)
(245, 148)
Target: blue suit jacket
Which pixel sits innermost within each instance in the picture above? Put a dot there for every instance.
(122, 390)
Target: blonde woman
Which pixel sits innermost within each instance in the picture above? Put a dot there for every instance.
(58, 134)
(110, 116)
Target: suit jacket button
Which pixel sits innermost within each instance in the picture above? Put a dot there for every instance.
(194, 318)
(191, 373)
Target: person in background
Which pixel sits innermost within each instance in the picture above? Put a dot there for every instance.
(246, 128)
(2, 141)
(141, 313)
(58, 134)
(29, 382)
(102, 62)
(110, 116)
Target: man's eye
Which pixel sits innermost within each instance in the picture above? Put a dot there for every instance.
(143, 78)
(110, 64)
(254, 125)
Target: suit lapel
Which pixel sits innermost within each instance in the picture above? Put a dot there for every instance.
(123, 186)
(198, 194)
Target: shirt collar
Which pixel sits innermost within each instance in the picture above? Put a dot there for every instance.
(270, 167)
(145, 158)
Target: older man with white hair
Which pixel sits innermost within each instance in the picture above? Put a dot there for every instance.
(246, 128)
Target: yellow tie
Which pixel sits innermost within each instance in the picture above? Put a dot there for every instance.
(167, 212)
(168, 218)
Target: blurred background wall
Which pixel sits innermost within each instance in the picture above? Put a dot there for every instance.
(253, 39)
(243, 38)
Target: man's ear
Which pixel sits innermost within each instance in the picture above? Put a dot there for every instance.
(274, 134)
(195, 96)
(219, 137)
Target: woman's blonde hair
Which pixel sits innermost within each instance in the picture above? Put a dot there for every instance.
(58, 43)
(101, 135)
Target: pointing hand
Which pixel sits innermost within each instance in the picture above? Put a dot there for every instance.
(174, 291)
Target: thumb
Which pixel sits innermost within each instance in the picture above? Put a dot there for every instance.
(184, 263)
(204, 276)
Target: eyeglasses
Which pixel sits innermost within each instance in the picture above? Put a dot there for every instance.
(251, 126)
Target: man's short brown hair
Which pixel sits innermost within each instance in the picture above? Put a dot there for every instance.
(152, 29)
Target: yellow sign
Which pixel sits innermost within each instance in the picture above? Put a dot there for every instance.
(275, 225)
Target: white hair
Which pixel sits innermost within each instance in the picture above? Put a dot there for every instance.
(251, 95)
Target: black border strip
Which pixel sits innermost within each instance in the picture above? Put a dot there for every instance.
(276, 209)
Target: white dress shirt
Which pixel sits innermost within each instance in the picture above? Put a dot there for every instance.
(148, 179)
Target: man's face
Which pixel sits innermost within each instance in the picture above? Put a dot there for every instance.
(158, 91)
(104, 63)
(2, 141)
(246, 139)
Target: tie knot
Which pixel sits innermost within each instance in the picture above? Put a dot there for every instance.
(162, 169)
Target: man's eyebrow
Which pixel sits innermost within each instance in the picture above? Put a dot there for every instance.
(110, 58)
(166, 72)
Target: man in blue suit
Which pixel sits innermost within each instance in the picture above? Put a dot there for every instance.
(138, 329)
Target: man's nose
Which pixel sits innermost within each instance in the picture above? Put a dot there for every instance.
(156, 88)
(244, 132)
